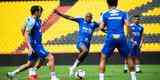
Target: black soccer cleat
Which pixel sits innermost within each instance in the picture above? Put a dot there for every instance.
(139, 71)
(125, 71)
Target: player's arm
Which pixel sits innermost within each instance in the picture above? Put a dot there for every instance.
(28, 27)
(142, 39)
(102, 27)
(65, 16)
(26, 35)
(127, 23)
(23, 30)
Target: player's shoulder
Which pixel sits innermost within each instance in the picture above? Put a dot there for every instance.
(79, 17)
(104, 12)
(30, 19)
(113, 11)
(141, 26)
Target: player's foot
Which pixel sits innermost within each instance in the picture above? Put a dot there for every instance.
(139, 71)
(125, 71)
(11, 75)
(71, 71)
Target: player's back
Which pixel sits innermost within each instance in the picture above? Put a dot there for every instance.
(114, 20)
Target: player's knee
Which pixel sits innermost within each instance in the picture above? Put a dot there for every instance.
(29, 64)
(130, 62)
(50, 57)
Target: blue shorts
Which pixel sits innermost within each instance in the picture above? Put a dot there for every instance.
(39, 53)
(83, 44)
(133, 50)
(113, 41)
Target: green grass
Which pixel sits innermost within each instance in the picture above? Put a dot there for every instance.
(113, 72)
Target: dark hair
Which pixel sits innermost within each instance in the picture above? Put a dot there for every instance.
(112, 2)
(36, 8)
(136, 17)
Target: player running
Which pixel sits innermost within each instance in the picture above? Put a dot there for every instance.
(86, 29)
(114, 19)
(33, 36)
(135, 43)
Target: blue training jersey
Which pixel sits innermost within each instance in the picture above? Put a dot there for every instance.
(34, 27)
(86, 29)
(114, 20)
(137, 31)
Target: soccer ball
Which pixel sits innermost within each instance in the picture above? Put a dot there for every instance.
(80, 74)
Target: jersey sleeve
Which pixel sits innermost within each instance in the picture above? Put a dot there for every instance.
(78, 19)
(29, 24)
(102, 17)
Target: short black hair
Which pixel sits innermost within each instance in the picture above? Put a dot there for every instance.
(35, 8)
(136, 16)
(112, 2)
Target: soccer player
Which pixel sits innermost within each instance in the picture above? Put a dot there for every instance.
(135, 43)
(114, 20)
(86, 29)
(33, 36)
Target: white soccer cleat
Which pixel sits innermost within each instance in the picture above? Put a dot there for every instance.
(71, 71)
(11, 75)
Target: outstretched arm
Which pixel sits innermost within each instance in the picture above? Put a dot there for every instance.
(65, 16)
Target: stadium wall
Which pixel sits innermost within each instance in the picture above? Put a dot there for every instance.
(68, 59)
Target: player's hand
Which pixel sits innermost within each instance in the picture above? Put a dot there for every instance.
(55, 11)
(135, 43)
(31, 50)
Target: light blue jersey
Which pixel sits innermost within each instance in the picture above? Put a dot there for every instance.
(33, 26)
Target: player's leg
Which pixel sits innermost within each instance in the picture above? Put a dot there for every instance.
(50, 59)
(130, 51)
(124, 50)
(137, 61)
(83, 48)
(102, 66)
(125, 66)
(137, 65)
(131, 68)
(106, 52)
(32, 72)
(51, 64)
(30, 63)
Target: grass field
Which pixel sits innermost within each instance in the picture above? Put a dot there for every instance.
(113, 72)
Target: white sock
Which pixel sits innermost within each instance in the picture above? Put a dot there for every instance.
(101, 76)
(15, 71)
(32, 71)
(125, 67)
(133, 75)
(75, 64)
(137, 67)
(53, 75)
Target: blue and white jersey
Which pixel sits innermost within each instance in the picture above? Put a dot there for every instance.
(137, 31)
(34, 27)
(86, 29)
(114, 20)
